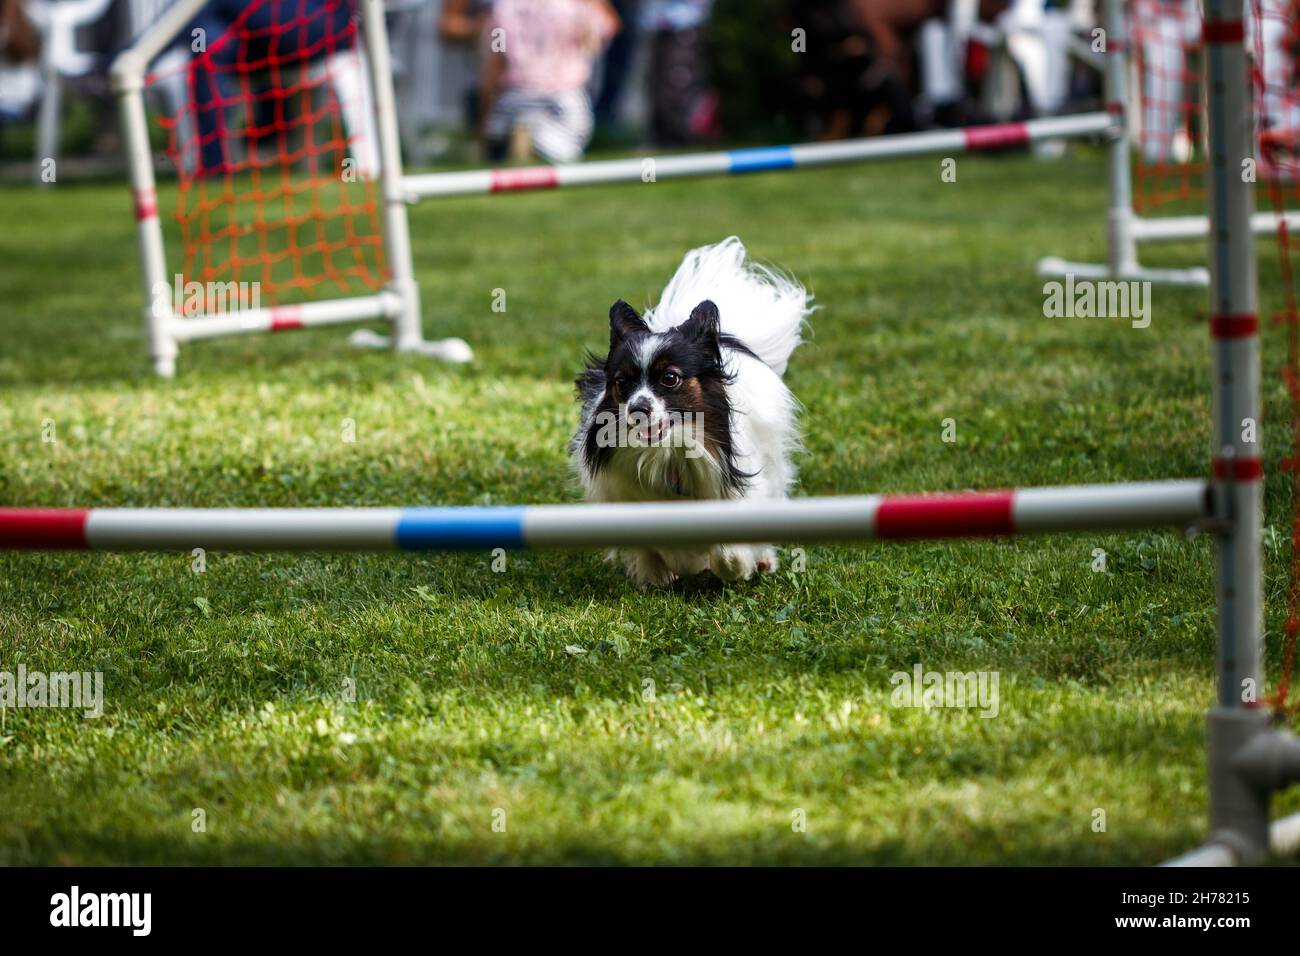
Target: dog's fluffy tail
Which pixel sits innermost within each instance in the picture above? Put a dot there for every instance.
(763, 308)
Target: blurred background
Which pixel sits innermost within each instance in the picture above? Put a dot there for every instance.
(613, 74)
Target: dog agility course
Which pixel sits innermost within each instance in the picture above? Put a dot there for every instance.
(1248, 761)
(1239, 808)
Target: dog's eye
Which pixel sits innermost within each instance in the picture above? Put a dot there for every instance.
(671, 379)
(620, 380)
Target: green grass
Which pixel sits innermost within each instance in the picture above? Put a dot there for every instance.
(225, 690)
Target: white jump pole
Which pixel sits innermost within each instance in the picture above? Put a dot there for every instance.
(1123, 247)
(1238, 812)
(845, 518)
(1177, 228)
(127, 76)
(282, 318)
(763, 159)
(407, 332)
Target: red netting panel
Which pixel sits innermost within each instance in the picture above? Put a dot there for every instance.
(269, 124)
(1166, 110)
(1275, 45)
(1167, 116)
(1167, 105)
(1274, 42)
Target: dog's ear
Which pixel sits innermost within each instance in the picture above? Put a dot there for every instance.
(624, 323)
(704, 327)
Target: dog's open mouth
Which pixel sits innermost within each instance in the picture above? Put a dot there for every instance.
(654, 433)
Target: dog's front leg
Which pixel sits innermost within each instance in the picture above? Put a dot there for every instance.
(647, 569)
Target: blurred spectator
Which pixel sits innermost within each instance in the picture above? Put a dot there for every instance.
(890, 25)
(19, 76)
(683, 109)
(859, 76)
(540, 59)
(18, 40)
(956, 58)
(617, 65)
(462, 23)
(856, 74)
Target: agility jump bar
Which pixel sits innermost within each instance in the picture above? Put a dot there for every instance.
(856, 517)
(763, 159)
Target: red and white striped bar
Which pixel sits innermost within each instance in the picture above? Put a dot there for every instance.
(763, 159)
(668, 524)
(281, 318)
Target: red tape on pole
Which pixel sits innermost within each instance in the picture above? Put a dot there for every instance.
(1233, 326)
(996, 137)
(1238, 469)
(146, 205)
(532, 177)
(43, 528)
(941, 516)
(284, 317)
(1224, 31)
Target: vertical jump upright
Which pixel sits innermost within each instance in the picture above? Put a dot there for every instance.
(1247, 759)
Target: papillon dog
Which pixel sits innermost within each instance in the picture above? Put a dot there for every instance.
(690, 403)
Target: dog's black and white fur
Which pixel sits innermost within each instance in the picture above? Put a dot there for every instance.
(689, 403)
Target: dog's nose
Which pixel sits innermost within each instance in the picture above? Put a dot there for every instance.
(640, 406)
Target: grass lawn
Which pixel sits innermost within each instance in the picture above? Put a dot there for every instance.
(519, 695)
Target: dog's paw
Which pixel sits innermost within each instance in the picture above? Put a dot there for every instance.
(648, 570)
(732, 563)
(767, 561)
(686, 563)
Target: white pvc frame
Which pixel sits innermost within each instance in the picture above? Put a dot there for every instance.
(1125, 229)
(398, 303)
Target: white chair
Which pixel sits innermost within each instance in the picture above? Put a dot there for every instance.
(57, 22)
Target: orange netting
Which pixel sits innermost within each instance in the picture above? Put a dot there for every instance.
(269, 126)
(1167, 108)
(1167, 117)
(1165, 111)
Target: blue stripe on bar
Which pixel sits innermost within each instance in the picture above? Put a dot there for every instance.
(468, 529)
(761, 158)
